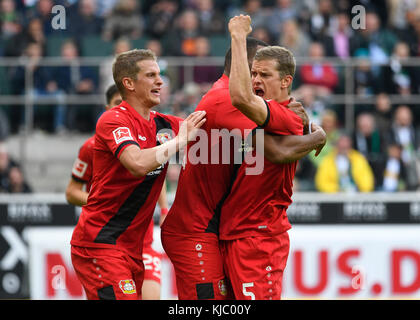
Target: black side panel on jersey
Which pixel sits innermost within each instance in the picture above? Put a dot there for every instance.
(213, 226)
(130, 208)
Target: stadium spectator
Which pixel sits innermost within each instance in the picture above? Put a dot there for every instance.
(378, 41)
(17, 183)
(318, 74)
(11, 21)
(203, 75)
(402, 14)
(394, 175)
(6, 164)
(181, 40)
(73, 79)
(43, 11)
(383, 113)
(365, 82)
(84, 21)
(254, 9)
(104, 7)
(398, 78)
(404, 133)
(342, 36)
(344, 169)
(314, 105)
(32, 33)
(44, 85)
(412, 36)
(211, 20)
(294, 38)
(368, 140)
(161, 18)
(283, 11)
(105, 69)
(321, 25)
(125, 20)
(261, 33)
(329, 123)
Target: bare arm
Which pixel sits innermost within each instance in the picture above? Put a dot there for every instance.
(286, 149)
(139, 162)
(163, 204)
(240, 88)
(75, 194)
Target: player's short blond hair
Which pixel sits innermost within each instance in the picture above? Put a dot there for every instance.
(286, 62)
(125, 65)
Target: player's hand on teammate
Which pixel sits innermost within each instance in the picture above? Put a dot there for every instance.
(314, 128)
(189, 127)
(240, 25)
(298, 108)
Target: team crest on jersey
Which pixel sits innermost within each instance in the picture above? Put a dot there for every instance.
(127, 286)
(163, 137)
(222, 287)
(79, 168)
(122, 134)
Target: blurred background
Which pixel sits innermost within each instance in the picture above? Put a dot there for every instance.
(357, 75)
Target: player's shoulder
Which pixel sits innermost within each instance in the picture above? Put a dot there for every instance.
(173, 120)
(116, 115)
(89, 143)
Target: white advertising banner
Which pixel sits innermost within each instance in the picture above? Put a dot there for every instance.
(325, 262)
(353, 262)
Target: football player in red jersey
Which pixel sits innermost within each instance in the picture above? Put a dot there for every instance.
(77, 192)
(253, 222)
(191, 229)
(129, 167)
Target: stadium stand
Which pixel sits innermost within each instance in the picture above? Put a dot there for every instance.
(379, 59)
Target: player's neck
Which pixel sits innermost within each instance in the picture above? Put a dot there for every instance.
(283, 96)
(137, 105)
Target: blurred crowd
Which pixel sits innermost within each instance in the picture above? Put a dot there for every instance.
(380, 154)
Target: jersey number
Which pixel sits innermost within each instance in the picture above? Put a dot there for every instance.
(248, 293)
(151, 262)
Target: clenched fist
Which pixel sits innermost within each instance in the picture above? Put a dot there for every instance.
(240, 25)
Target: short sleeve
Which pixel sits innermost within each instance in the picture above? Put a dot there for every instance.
(281, 120)
(82, 166)
(114, 133)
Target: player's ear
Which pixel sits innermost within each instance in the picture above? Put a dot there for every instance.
(128, 83)
(286, 82)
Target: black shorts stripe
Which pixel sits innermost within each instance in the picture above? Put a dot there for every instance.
(117, 152)
(106, 293)
(132, 205)
(204, 291)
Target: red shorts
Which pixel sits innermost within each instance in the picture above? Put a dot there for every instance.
(255, 265)
(152, 264)
(108, 274)
(198, 266)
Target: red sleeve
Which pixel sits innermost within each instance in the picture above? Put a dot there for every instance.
(281, 120)
(114, 133)
(82, 167)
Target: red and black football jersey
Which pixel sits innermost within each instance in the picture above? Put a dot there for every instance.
(120, 206)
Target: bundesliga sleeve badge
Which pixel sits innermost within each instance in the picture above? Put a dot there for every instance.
(122, 134)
